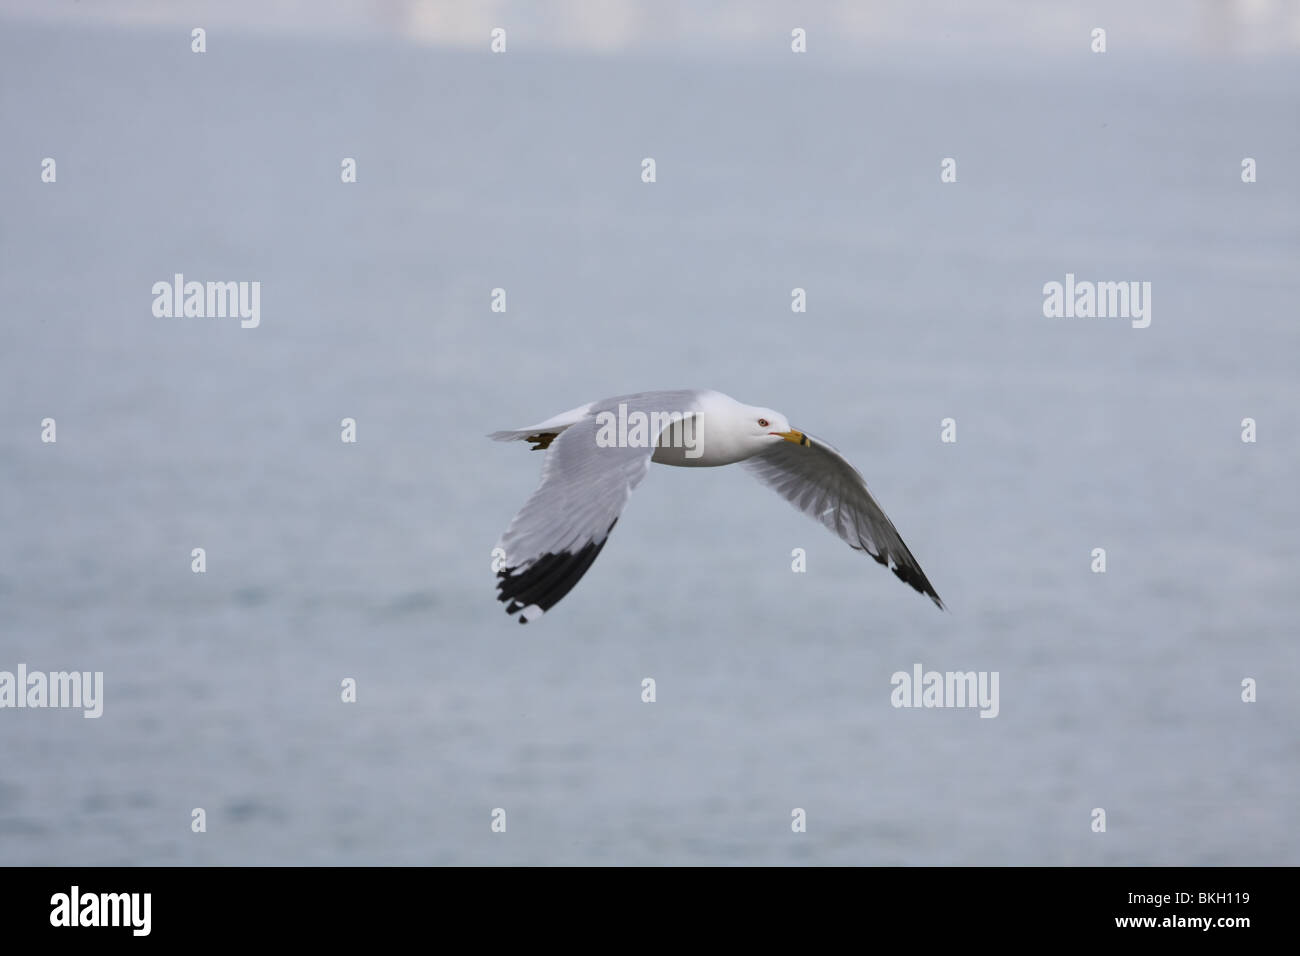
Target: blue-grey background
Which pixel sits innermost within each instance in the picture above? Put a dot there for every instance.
(522, 171)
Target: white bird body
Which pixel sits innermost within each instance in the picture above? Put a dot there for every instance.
(597, 453)
(721, 422)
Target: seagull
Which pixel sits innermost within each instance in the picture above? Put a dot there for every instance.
(598, 453)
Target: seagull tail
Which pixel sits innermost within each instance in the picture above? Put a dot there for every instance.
(543, 433)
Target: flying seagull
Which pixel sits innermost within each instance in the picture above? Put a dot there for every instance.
(598, 453)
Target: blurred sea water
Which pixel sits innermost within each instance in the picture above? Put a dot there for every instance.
(371, 561)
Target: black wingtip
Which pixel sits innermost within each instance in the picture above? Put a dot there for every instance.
(547, 579)
(911, 574)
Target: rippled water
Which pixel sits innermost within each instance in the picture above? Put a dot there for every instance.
(371, 561)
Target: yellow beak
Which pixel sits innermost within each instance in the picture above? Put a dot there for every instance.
(799, 438)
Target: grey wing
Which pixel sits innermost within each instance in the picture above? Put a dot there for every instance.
(561, 529)
(818, 481)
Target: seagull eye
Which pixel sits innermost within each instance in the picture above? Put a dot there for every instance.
(763, 422)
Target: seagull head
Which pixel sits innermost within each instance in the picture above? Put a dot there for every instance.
(766, 425)
(733, 431)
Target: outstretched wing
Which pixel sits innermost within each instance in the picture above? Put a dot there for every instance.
(817, 480)
(561, 529)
